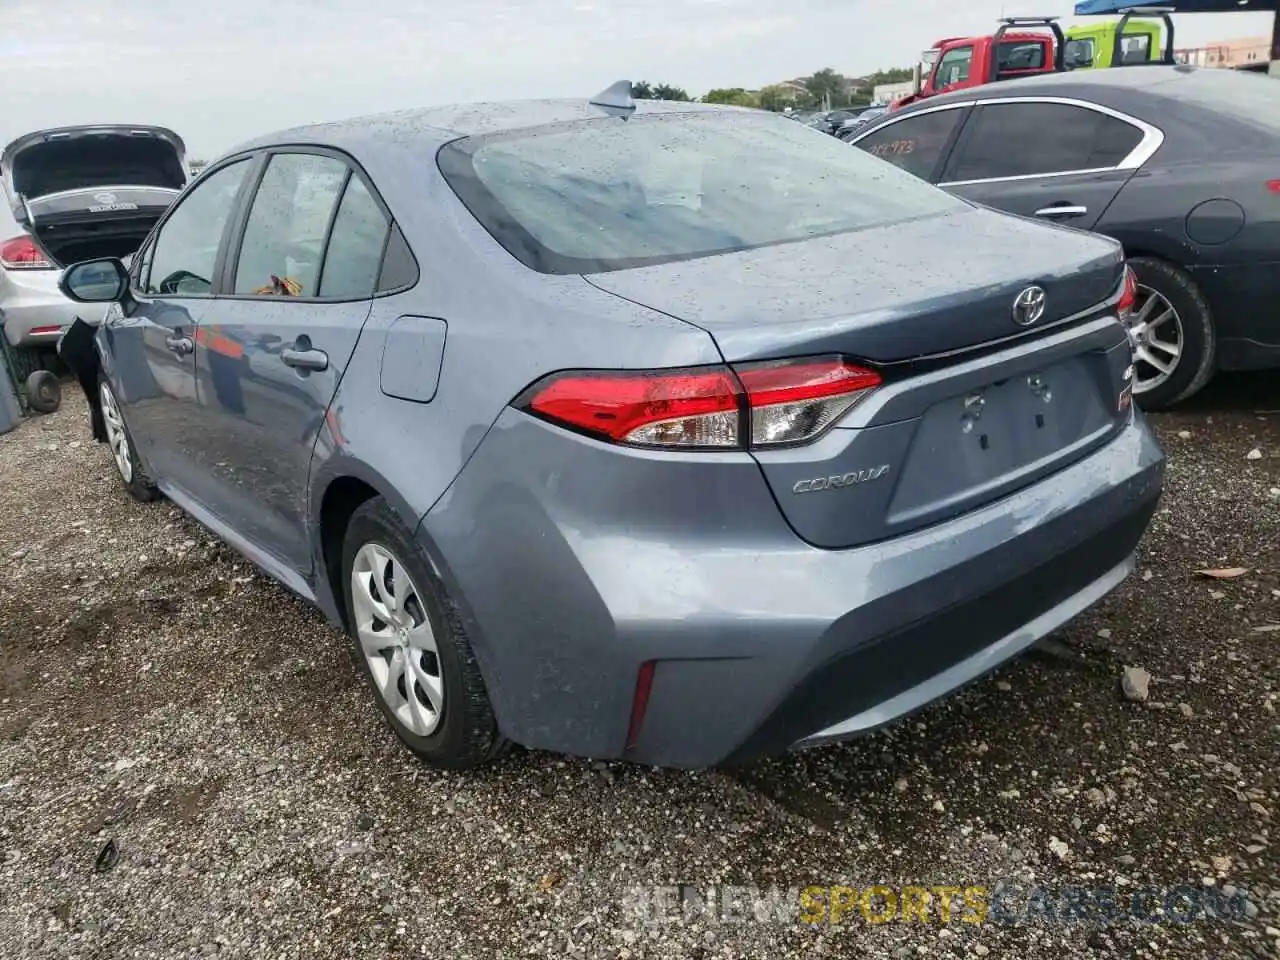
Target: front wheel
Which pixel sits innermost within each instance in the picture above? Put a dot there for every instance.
(412, 646)
(123, 450)
(1172, 333)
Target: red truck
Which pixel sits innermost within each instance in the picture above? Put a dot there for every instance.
(959, 62)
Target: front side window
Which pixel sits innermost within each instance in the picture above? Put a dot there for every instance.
(605, 194)
(953, 67)
(183, 257)
(915, 144)
(1079, 52)
(1030, 139)
(284, 236)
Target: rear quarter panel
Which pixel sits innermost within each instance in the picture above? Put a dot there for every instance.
(1232, 209)
(506, 326)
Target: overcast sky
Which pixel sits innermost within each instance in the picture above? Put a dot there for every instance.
(220, 71)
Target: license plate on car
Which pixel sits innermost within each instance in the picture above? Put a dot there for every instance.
(1002, 431)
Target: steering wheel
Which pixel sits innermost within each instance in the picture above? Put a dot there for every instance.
(171, 283)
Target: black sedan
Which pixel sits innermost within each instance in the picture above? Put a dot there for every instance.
(829, 121)
(1181, 165)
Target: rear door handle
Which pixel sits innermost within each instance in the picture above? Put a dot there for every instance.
(305, 359)
(180, 345)
(1062, 210)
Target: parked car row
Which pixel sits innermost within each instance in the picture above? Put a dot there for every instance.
(72, 194)
(1175, 163)
(683, 440)
(849, 127)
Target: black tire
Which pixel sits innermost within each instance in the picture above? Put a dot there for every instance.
(1196, 363)
(44, 391)
(139, 484)
(467, 734)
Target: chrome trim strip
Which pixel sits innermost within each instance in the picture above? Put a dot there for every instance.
(1152, 137)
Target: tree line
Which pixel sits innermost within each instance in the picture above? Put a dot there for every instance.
(826, 86)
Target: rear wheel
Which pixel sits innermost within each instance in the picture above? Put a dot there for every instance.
(123, 451)
(411, 644)
(1173, 335)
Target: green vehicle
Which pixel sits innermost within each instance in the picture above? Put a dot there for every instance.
(1121, 43)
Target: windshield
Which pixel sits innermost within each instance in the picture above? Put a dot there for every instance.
(607, 194)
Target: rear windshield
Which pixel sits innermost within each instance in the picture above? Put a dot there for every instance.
(1135, 48)
(1021, 55)
(1253, 98)
(608, 194)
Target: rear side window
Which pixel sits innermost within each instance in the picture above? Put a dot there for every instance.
(1029, 139)
(915, 144)
(354, 254)
(605, 194)
(283, 243)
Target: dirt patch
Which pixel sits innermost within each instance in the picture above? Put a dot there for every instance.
(158, 692)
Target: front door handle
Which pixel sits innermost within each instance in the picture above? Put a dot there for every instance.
(1062, 210)
(180, 345)
(309, 359)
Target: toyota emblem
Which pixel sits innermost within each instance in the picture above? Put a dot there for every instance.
(1028, 306)
(105, 197)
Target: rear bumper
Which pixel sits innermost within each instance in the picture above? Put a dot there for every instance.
(568, 582)
(34, 312)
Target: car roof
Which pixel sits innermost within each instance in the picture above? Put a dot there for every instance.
(1101, 84)
(433, 126)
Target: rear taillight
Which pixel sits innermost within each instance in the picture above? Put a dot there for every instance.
(767, 404)
(21, 253)
(1128, 294)
(796, 400)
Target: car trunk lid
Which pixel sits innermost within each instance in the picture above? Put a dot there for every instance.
(973, 405)
(93, 191)
(884, 294)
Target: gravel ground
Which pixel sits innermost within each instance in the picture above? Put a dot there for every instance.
(160, 695)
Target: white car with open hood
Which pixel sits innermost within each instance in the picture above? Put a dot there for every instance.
(77, 193)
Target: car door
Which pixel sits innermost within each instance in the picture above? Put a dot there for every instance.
(152, 345)
(271, 351)
(917, 142)
(1063, 161)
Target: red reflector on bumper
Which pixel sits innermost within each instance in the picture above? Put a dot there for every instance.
(640, 702)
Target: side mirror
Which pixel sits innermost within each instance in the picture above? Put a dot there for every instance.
(95, 281)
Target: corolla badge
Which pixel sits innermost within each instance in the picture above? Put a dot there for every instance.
(1028, 306)
(840, 480)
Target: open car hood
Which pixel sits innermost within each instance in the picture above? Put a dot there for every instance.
(79, 158)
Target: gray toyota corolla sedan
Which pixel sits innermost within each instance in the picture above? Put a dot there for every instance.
(663, 432)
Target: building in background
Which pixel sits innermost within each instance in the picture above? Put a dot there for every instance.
(892, 92)
(1227, 54)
